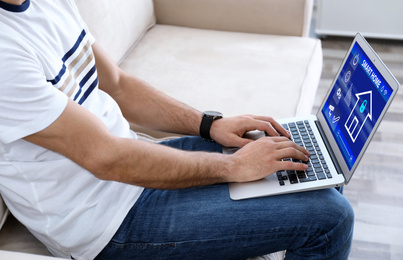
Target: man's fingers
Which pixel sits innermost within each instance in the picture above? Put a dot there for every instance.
(289, 165)
(273, 128)
(240, 141)
(283, 142)
(291, 152)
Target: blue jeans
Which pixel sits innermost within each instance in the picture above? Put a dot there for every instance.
(204, 223)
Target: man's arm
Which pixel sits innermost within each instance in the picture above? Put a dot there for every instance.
(83, 138)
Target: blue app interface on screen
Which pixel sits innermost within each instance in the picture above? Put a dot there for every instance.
(355, 103)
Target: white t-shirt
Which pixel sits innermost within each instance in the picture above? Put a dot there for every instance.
(46, 58)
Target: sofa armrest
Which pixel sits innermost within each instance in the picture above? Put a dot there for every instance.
(278, 17)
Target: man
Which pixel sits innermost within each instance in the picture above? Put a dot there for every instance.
(73, 172)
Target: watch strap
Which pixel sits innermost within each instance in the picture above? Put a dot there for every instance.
(207, 121)
(205, 126)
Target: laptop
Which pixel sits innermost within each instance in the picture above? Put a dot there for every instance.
(338, 135)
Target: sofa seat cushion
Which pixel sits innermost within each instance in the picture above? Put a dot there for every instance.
(235, 73)
(9, 255)
(16, 237)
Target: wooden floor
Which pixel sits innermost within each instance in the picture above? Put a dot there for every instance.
(376, 190)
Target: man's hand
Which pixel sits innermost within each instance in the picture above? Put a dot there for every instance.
(257, 159)
(261, 158)
(230, 131)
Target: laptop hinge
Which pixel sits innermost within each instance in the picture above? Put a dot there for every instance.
(329, 148)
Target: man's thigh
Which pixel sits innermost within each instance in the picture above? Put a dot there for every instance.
(204, 223)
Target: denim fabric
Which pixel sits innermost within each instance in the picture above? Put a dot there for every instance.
(204, 223)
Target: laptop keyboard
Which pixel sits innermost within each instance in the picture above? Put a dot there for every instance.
(301, 133)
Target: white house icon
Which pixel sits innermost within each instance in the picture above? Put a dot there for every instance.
(359, 114)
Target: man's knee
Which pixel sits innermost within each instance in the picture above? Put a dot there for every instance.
(338, 224)
(332, 228)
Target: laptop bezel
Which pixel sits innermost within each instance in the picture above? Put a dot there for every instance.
(392, 82)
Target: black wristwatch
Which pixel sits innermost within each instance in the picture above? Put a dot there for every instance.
(207, 121)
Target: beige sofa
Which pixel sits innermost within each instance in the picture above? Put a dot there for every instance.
(233, 56)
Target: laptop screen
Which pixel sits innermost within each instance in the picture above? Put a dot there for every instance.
(355, 104)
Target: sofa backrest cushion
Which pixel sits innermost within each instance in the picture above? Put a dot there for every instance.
(117, 25)
(278, 17)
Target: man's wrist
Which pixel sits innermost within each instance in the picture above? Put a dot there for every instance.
(207, 120)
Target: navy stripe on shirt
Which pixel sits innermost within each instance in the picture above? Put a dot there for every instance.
(59, 76)
(89, 90)
(84, 81)
(66, 56)
(75, 46)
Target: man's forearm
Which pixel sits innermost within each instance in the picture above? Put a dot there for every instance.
(163, 112)
(160, 167)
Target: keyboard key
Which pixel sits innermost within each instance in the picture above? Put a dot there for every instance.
(321, 176)
(310, 173)
(281, 177)
(317, 166)
(301, 174)
(293, 178)
(312, 178)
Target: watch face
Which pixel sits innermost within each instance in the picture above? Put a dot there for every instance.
(213, 114)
